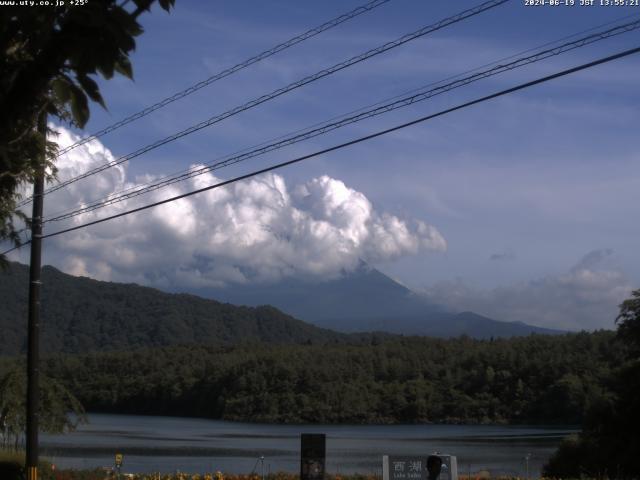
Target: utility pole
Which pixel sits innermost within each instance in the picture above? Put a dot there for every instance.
(33, 345)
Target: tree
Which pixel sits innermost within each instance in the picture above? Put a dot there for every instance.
(610, 439)
(48, 61)
(56, 402)
(629, 323)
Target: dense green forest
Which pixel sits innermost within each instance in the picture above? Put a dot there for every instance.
(84, 315)
(542, 379)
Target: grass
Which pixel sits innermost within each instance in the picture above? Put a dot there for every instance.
(12, 466)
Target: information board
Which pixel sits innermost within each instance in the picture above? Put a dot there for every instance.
(397, 467)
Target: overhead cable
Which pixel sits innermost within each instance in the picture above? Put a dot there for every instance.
(229, 71)
(281, 91)
(416, 96)
(380, 133)
(362, 109)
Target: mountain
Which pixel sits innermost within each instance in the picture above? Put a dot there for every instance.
(82, 315)
(366, 300)
(356, 296)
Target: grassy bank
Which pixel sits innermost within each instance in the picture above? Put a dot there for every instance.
(12, 468)
(99, 474)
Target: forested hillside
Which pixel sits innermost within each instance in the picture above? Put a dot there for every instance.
(543, 379)
(82, 315)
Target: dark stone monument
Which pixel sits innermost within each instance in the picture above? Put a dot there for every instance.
(313, 449)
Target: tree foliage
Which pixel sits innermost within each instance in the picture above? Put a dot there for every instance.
(610, 440)
(629, 323)
(56, 403)
(50, 58)
(539, 379)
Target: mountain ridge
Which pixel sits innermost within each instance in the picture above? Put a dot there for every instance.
(81, 314)
(368, 300)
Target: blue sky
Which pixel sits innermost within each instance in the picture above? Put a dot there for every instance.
(535, 194)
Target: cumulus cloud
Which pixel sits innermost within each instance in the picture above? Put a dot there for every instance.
(258, 230)
(585, 297)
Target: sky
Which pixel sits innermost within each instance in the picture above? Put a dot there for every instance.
(520, 208)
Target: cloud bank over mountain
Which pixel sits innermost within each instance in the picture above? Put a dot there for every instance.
(584, 297)
(258, 230)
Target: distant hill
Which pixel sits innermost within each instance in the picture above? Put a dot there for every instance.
(367, 300)
(83, 315)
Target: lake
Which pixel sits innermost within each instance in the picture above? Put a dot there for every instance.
(192, 445)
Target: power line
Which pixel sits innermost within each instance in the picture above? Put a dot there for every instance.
(229, 71)
(501, 93)
(361, 109)
(190, 173)
(17, 247)
(220, 75)
(292, 86)
(417, 96)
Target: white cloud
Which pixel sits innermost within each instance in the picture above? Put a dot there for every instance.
(586, 297)
(257, 230)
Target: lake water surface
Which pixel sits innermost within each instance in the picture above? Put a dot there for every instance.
(167, 444)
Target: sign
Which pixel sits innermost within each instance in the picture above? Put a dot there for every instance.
(118, 460)
(416, 468)
(313, 448)
(404, 468)
(449, 467)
